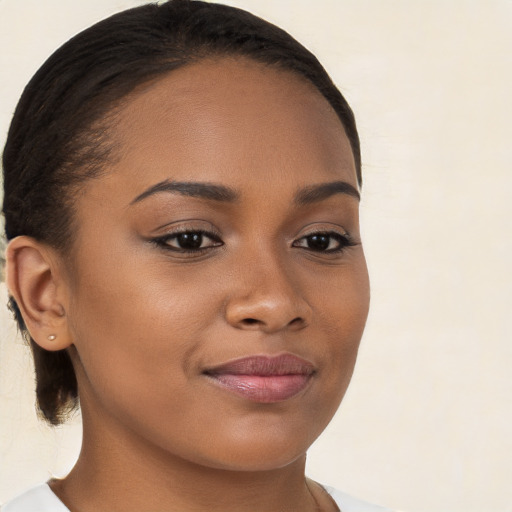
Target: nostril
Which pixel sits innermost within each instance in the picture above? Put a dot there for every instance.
(250, 321)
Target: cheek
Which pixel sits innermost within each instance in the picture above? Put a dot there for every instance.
(135, 325)
(129, 291)
(138, 336)
(341, 300)
(342, 307)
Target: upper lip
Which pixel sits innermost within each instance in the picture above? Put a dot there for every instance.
(264, 365)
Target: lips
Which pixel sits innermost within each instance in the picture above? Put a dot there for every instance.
(263, 379)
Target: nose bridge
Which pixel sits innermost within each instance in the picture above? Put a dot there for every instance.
(269, 276)
(266, 294)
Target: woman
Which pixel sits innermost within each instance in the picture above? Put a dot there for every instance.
(181, 204)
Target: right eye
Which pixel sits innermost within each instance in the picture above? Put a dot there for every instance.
(188, 241)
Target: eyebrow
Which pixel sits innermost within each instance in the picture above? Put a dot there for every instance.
(221, 193)
(317, 193)
(209, 191)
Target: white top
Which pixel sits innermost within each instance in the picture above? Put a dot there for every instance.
(42, 499)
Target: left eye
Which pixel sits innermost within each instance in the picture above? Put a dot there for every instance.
(189, 241)
(323, 242)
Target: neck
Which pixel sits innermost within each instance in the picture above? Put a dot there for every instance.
(118, 471)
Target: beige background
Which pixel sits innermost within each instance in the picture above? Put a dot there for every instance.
(425, 424)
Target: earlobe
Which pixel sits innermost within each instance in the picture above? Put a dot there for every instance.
(33, 280)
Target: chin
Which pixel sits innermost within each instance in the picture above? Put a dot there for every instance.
(263, 449)
(255, 460)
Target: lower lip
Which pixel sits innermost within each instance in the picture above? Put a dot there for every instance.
(263, 388)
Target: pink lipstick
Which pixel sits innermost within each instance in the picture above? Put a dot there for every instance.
(264, 379)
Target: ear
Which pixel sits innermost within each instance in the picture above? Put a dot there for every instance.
(34, 280)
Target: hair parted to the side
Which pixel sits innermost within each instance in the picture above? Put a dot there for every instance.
(59, 135)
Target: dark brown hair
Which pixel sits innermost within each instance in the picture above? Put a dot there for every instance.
(58, 137)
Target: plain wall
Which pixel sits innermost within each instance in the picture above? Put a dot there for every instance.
(425, 425)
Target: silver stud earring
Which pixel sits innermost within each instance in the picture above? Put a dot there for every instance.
(52, 337)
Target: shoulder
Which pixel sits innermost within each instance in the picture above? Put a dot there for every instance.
(37, 499)
(41, 499)
(348, 503)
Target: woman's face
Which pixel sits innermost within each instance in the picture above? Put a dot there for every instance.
(219, 290)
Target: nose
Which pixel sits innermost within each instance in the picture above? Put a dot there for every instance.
(266, 297)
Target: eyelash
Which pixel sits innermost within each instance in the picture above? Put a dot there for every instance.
(163, 241)
(344, 241)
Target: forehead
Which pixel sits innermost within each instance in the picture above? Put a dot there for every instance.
(231, 120)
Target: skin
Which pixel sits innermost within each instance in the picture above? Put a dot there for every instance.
(142, 319)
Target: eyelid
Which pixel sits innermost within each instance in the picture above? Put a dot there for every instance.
(318, 230)
(163, 236)
(186, 229)
(335, 231)
(184, 225)
(163, 243)
(322, 227)
(175, 234)
(343, 239)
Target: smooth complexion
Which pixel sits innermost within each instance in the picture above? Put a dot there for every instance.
(227, 231)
